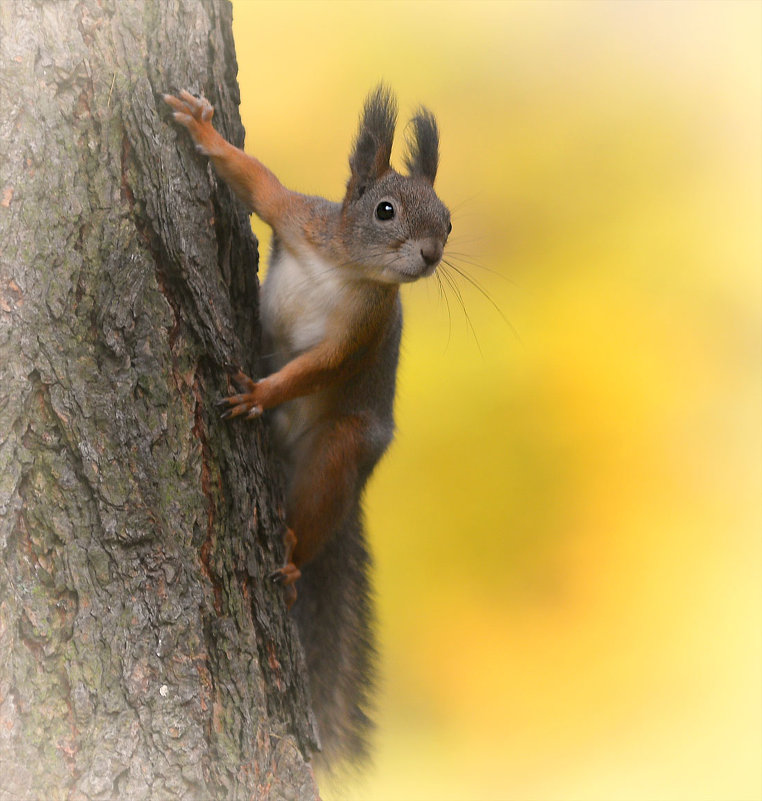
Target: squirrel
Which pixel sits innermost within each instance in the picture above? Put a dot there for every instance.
(332, 319)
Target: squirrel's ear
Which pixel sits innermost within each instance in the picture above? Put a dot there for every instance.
(373, 144)
(423, 146)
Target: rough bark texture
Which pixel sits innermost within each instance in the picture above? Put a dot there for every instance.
(142, 652)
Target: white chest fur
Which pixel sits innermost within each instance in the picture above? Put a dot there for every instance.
(301, 294)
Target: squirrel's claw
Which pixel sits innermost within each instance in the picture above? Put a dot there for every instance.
(287, 576)
(247, 403)
(289, 573)
(197, 107)
(195, 114)
(238, 405)
(200, 107)
(240, 379)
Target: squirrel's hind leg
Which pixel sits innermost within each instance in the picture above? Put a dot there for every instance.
(324, 485)
(289, 573)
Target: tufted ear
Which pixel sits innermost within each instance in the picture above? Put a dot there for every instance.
(373, 144)
(423, 146)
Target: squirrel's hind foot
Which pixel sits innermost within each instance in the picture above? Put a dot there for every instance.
(289, 573)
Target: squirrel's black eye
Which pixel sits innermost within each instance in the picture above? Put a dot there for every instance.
(384, 210)
(449, 229)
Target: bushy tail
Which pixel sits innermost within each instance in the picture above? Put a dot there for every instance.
(334, 613)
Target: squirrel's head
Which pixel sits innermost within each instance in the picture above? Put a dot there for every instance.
(395, 227)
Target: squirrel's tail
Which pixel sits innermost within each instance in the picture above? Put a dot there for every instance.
(334, 614)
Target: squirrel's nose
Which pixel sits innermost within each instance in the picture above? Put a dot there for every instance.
(431, 253)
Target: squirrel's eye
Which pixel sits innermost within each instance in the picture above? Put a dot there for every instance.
(385, 210)
(449, 229)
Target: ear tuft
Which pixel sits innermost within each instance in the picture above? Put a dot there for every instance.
(373, 145)
(423, 146)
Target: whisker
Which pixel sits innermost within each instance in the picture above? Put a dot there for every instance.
(465, 201)
(471, 263)
(443, 294)
(460, 239)
(474, 283)
(459, 296)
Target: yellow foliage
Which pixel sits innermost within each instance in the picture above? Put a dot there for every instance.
(567, 528)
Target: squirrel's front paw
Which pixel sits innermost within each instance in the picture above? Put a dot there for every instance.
(195, 113)
(248, 402)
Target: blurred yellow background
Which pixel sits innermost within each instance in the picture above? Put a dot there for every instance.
(567, 528)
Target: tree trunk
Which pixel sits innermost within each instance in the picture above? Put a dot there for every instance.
(143, 653)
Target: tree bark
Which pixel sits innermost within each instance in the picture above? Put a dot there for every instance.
(143, 653)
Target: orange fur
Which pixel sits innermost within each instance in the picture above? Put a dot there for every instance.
(331, 314)
(342, 353)
(257, 186)
(324, 484)
(355, 317)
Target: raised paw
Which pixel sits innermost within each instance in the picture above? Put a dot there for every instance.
(195, 113)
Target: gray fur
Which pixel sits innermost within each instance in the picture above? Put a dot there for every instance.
(391, 251)
(373, 143)
(334, 607)
(422, 158)
(335, 270)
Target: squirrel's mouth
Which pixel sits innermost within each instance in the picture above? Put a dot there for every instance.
(414, 260)
(405, 275)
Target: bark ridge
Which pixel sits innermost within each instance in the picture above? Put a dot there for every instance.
(141, 653)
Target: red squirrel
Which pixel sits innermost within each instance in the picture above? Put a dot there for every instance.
(332, 319)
